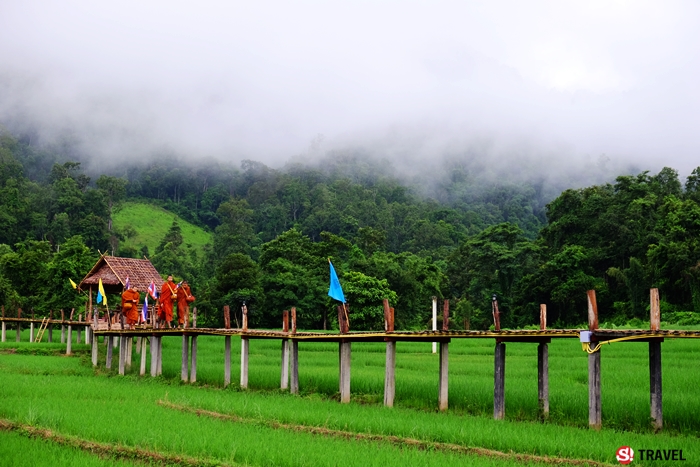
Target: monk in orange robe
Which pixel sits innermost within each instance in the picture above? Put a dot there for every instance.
(184, 298)
(130, 306)
(168, 295)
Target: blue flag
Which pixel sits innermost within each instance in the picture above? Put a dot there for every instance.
(335, 291)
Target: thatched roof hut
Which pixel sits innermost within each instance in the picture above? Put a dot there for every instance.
(114, 270)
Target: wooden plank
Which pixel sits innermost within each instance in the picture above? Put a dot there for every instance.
(390, 374)
(443, 384)
(227, 360)
(543, 379)
(655, 383)
(594, 403)
(185, 357)
(193, 360)
(294, 367)
(345, 356)
(499, 377)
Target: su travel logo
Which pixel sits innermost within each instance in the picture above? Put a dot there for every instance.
(625, 455)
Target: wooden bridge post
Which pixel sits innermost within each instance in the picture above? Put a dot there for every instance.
(154, 356)
(655, 382)
(595, 419)
(193, 360)
(543, 368)
(77, 331)
(94, 352)
(442, 385)
(63, 327)
(108, 360)
(434, 321)
(143, 343)
(129, 350)
(4, 331)
(284, 374)
(122, 354)
(244, 349)
(499, 381)
(227, 347)
(50, 326)
(294, 357)
(345, 355)
(19, 325)
(390, 367)
(159, 367)
(69, 342)
(185, 357)
(31, 332)
(138, 344)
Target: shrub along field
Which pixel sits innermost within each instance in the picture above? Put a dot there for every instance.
(50, 402)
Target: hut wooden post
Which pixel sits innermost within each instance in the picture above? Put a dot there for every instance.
(94, 352)
(244, 349)
(543, 368)
(4, 332)
(443, 384)
(284, 374)
(185, 357)
(227, 347)
(390, 366)
(78, 337)
(31, 332)
(69, 341)
(143, 343)
(595, 420)
(193, 360)
(154, 356)
(294, 357)
(499, 381)
(108, 360)
(655, 389)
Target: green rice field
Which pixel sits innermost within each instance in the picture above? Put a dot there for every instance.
(94, 416)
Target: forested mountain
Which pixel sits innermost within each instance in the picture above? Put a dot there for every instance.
(274, 230)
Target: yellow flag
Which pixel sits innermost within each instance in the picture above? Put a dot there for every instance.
(102, 292)
(75, 286)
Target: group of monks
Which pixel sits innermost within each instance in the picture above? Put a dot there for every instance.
(170, 293)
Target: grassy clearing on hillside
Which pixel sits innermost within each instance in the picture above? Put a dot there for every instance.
(151, 223)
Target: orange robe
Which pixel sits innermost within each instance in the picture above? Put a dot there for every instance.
(166, 301)
(130, 297)
(183, 306)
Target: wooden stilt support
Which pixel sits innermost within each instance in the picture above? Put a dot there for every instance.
(31, 332)
(294, 367)
(108, 360)
(154, 356)
(543, 379)
(94, 352)
(284, 373)
(78, 337)
(443, 385)
(19, 332)
(138, 344)
(143, 343)
(227, 360)
(4, 332)
(345, 356)
(122, 354)
(129, 350)
(390, 366)
(160, 356)
(50, 326)
(193, 360)
(434, 321)
(499, 381)
(595, 419)
(244, 362)
(69, 342)
(655, 390)
(185, 357)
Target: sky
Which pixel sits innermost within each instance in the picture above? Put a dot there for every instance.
(553, 83)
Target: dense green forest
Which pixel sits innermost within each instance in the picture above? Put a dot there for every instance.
(273, 231)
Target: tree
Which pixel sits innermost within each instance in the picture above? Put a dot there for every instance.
(114, 190)
(365, 295)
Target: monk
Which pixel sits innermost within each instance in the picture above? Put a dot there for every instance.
(184, 298)
(130, 306)
(168, 294)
